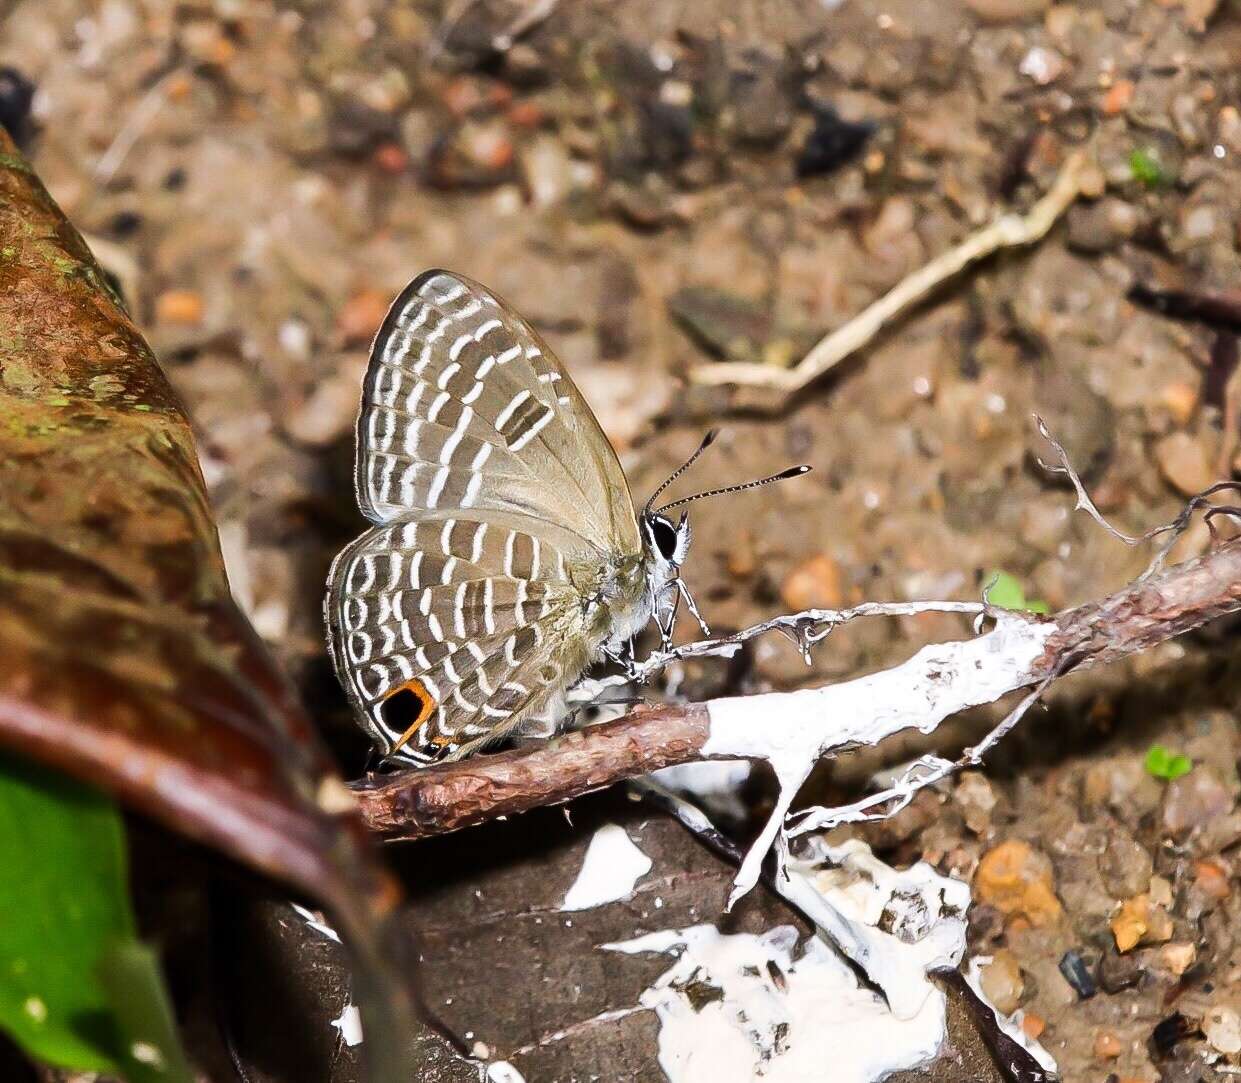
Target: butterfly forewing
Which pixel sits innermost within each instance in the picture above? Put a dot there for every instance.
(465, 407)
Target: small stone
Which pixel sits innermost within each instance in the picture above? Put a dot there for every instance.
(361, 315)
(1222, 1027)
(1033, 1026)
(976, 799)
(1194, 800)
(1211, 879)
(1001, 981)
(183, 307)
(815, 584)
(1106, 1045)
(1139, 921)
(1077, 974)
(1043, 65)
(1118, 97)
(1184, 463)
(1119, 972)
(1125, 865)
(1177, 958)
(390, 158)
(1160, 891)
(546, 170)
(479, 154)
(1181, 399)
(1017, 880)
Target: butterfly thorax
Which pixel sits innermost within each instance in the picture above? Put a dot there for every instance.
(617, 598)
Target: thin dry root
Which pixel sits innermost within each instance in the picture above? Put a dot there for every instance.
(1007, 231)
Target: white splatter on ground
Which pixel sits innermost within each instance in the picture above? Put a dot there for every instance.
(612, 867)
(733, 1008)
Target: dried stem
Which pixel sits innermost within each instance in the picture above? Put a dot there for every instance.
(1007, 231)
(1148, 611)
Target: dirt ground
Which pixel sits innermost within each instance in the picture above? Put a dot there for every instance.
(655, 184)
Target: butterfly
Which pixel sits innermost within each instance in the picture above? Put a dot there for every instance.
(505, 555)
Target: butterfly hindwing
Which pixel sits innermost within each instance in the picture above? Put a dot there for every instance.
(453, 624)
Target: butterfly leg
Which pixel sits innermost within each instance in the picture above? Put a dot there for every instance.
(683, 591)
(666, 606)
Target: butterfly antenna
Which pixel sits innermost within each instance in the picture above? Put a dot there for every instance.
(791, 472)
(707, 441)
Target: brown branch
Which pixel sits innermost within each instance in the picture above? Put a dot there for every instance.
(446, 798)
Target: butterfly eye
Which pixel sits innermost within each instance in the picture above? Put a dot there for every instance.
(406, 708)
(664, 535)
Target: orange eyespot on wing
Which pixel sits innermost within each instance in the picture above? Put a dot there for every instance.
(406, 708)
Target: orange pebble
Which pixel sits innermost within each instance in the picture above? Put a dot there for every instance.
(1106, 1046)
(1033, 1025)
(1118, 97)
(1211, 879)
(179, 306)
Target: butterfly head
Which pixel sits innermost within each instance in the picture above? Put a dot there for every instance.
(666, 543)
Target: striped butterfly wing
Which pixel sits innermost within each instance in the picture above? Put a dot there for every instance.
(464, 407)
(454, 626)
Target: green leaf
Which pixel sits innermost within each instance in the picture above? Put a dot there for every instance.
(1157, 761)
(1005, 591)
(77, 990)
(1178, 766)
(1146, 168)
(1166, 765)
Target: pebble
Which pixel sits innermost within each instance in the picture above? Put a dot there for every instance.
(1119, 972)
(815, 584)
(1043, 65)
(183, 307)
(1118, 97)
(361, 315)
(1125, 865)
(546, 170)
(1033, 1026)
(1211, 879)
(1194, 800)
(1106, 1045)
(1222, 1027)
(1139, 921)
(1017, 880)
(1184, 464)
(976, 800)
(1077, 974)
(479, 154)
(1181, 399)
(1178, 957)
(1001, 981)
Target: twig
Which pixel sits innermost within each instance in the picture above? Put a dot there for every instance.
(1007, 231)
(420, 803)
